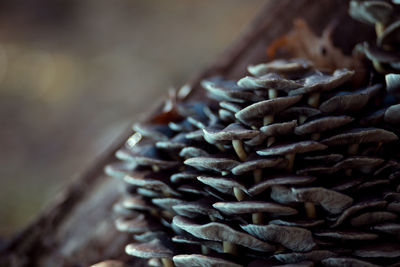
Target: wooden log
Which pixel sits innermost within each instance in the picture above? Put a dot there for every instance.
(77, 228)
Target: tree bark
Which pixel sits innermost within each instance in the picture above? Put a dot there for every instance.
(77, 228)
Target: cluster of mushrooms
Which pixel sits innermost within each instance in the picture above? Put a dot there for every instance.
(288, 166)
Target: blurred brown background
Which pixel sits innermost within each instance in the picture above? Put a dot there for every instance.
(75, 73)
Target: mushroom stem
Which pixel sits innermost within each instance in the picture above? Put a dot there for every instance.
(257, 218)
(302, 119)
(167, 262)
(290, 158)
(270, 141)
(229, 247)
(310, 210)
(205, 250)
(313, 99)
(272, 93)
(220, 147)
(379, 28)
(239, 149)
(268, 119)
(352, 149)
(315, 136)
(257, 175)
(238, 193)
(155, 168)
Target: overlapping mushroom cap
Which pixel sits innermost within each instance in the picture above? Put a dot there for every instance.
(291, 166)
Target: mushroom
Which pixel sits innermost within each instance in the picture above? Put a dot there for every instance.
(110, 263)
(233, 132)
(316, 126)
(137, 225)
(221, 232)
(371, 204)
(119, 169)
(298, 223)
(324, 158)
(314, 255)
(205, 245)
(293, 238)
(265, 109)
(281, 66)
(290, 150)
(372, 217)
(393, 84)
(378, 56)
(389, 228)
(347, 235)
(141, 179)
(225, 185)
(345, 261)
(150, 236)
(192, 152)
(271, 131)
(299, 112)
(392, 115)
(222, 165)
(372, 12)
(256, 165)
(363, 164)
(182, 176)
(195, 260)
(226, 115)
(196, 209)
(319, 82)
(384, 250)
(256, 208)
(229, 91)
(345, 102)
(280, 180)
(167, 203)
(152, 249)
(158, 132)
(390, 35)
(358, 136)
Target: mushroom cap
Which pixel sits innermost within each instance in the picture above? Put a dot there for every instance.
(372, 217)
(314, 255)
(319, 82)
(269, 80)
(214, 245)
(370, 12)
(222, 184)
(377, 54)
(196, 260)
(385, 250)
(196, 209)
(192, 152)
(392, 114)
(119, 169)
(280, 180)
(167, 203)
(299, 147)
(363, 163)
(371, 204)
(140, 179)
(345, 261)
(221, 232)
(152, 249)
(389, 228)
(245, 207)
(281, 66)
(349, 101)
(212, 163)
(347, 235)
(390, 35)
(266, 107)
(293, 238)
(158, 132)
(301, 224)
(233, 131)
(182, 176)
(277, 129)
(230, 106)
(322, 124)
(258, 164)
(137, 225)
(324, 158)
(228, 91)
(393, 84)
(295, 112)
(361, 135)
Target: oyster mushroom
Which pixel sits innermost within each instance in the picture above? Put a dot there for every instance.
(393, 84)
(301, 113)
(372, 217)
(221, 232)
(157, 131)
(196, 209)
(142, 180)
(195, 260)
(270, 131)
(385, 250)
(314, 255)
(347, 235)
(229, 91)
(136, 225)
(293, 238)
(280, 180)
(345, 261)
(256, 165)
(390, 35)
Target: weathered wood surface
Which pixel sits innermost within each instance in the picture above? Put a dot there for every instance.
(77, 228)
